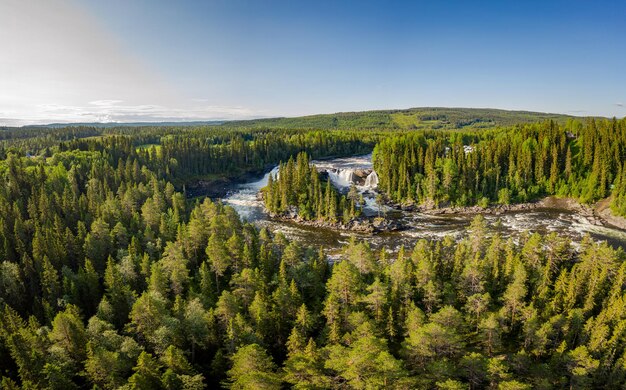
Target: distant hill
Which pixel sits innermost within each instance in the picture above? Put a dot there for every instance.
(127, 124)
(411, 118)
(422, 118)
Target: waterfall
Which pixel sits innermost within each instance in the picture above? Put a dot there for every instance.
(257, 185)
(345, 177)
(371, 181)
(341, 178)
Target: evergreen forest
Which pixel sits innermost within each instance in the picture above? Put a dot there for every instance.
(114, 276)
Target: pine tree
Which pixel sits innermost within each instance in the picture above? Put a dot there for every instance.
(252, 368)
(219, 258)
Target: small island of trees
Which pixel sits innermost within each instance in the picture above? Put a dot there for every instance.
(299, 189)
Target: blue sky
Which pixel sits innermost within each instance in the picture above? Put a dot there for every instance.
(177, 60)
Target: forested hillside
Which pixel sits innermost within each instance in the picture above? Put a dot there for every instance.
(424, 118)
(518, 164)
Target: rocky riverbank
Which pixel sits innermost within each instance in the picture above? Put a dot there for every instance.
(598, 214)
(603, 210)
(357, 225)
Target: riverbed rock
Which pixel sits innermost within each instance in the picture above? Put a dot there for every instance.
(359, 175)
(598, 215)
(407, 206)
(361, 226)
(292, 213)
(604, 212)
(386, 225)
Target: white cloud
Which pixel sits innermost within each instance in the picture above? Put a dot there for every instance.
(115, 112)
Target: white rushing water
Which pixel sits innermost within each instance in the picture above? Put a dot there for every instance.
(245, 198)
(342, 173)
(357, 171)
(341, 178)
(371, 181)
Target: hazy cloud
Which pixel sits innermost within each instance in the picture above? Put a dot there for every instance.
(61, 66)
(619, 104)
(105, 103)
(113, 111)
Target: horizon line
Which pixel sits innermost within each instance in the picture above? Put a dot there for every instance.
(183, 121)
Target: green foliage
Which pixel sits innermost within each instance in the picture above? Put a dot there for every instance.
(110, 278)
(504, 166)
(252, 368)
(298, 189)
(366, 362)
(425, 118)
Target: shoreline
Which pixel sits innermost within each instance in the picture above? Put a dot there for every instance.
(366, 225)
(598, 214)
(219, 187)
(603, 210)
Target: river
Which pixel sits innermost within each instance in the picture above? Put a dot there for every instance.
(244, 199)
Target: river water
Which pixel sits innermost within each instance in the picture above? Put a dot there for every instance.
(244, 198)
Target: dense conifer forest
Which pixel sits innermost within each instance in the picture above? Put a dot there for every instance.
(423, 118)
(112, 277)
(585, 161)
